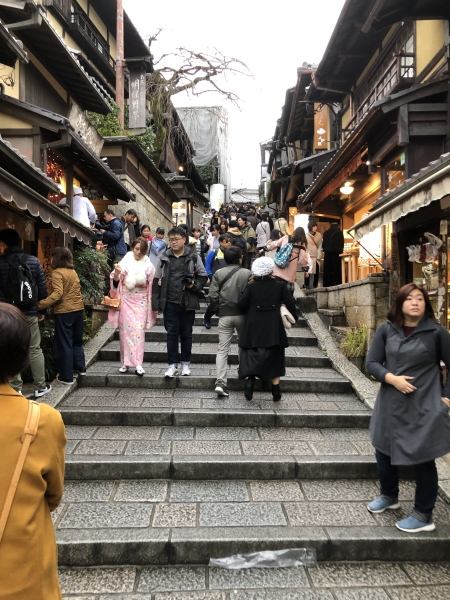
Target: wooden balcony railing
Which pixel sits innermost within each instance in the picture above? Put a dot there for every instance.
(82, 24)
(399, 74)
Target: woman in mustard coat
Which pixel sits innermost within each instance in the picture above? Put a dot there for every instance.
(28, 552)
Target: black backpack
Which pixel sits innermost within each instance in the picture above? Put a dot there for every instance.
(238, 241)
(21, 289)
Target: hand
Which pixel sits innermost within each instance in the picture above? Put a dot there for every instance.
(117, 269)
(190, 286)
(102, 231)
(401, 383)
(261, 251)
(445, 401)
(41, 318)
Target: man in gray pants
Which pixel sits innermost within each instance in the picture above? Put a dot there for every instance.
(227, 286)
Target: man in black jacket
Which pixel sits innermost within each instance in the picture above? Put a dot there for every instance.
(10, 249)
(178, 279)
(332, 245)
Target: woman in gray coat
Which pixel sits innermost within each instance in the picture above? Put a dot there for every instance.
(410, 424)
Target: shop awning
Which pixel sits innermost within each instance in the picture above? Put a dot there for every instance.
(15, 191)
(430, 184)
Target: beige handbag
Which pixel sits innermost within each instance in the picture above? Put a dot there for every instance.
(29, 433)
(286, 317)
(111, 302)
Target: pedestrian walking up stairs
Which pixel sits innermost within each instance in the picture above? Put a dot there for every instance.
(162, 475)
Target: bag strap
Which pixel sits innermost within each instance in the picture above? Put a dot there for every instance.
(313, 240)
(229, 276)
(29, 433)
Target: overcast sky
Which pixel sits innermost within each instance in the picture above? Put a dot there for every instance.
(272, 38)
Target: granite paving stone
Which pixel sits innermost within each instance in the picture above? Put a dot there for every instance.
(169, 402)
(87, 491)
(113, 401)
(145, 393)
(206, 447)
(105, 515)
(161, 579)
(275, 491)
(322, 406)
(94, 447)
(97, 580)
(341, 575)
(77, 432)
(189, 596)
(338, 398)
(226, 433)
(333, 448)
(175, 515)
(330, 514)
(59, 510)
(71, 400)
(71, 445)
(177, 433)
(234, 514)
(276, 448)
(352, 406)
(428, 573)
(441, 514)
(94, 391)
(364, 448)
(357, 435)
(340, 489)
(141, 491)
(208, 491)
(290, 433)
(137, 448)
(194, 394)
(231, 403)
(225, 579)
(128, 433)
(281, 595)
(438, 592)
(362, 594)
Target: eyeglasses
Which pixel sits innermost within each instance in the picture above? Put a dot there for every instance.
(175, 239)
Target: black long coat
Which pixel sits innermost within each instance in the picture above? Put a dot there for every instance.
(263, 326)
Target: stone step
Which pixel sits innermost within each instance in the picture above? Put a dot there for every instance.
(215, 320)
(300, 336)
(296, 356)
(179, 522)
(332, 316)
(326, 581)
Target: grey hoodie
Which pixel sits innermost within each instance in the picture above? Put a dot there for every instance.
(223, 300)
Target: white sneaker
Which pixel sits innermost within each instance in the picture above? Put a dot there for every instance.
(171, 371)
(185, 370)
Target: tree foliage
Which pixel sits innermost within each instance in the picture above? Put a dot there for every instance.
(92, 269)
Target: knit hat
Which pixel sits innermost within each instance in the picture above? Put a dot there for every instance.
(262, 266)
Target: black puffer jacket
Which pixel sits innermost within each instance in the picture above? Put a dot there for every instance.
(36, 271)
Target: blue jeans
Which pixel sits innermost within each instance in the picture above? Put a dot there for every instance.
(426, 484)
(68, 350)
(178, 323)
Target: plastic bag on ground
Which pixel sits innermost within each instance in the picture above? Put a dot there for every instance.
(268, 559)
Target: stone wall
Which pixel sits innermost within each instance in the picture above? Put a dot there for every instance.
(364, 302)
(148, 211)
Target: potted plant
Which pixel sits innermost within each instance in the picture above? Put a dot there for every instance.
(354, 345)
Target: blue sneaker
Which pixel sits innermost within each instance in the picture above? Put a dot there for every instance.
(206, 321)
(413, 525)
(381, 504)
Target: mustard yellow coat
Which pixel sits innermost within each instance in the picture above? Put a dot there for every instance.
(28, 552)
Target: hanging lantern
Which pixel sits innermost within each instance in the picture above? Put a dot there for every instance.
(347, 188)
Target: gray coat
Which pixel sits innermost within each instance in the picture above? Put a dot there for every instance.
(410, 428)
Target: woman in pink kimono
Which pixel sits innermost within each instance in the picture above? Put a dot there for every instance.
(131, 281)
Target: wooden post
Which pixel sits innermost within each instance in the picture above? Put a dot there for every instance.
(120, 81)
(69, 188)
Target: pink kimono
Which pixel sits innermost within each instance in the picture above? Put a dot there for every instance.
(133, 318)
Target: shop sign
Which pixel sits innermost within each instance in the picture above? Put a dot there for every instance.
(48, 240)
(138, 91)
(12, 220)
(321, 127)
(85, 129)
(402, 159)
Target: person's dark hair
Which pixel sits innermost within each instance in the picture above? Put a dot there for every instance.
(109, 211)
(216, 213)
(298, 237)
(264, 217)
(311, 224)
(10, 237)
(223, 225)
(215, 227)
(131, 212)
(62, 258)
(143, 245)
(282, 214)
(178, 231)
(197, 229)
(160, 230)
(243, 217)
(15, 338)
(395, 315)
(183, 226)
(145, 227)
(233, 224)
(275, 235)
(224, 236)
(232, 255)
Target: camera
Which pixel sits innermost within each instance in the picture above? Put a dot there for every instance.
(188, 281)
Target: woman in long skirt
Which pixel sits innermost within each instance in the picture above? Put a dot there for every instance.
(264, 338)
(131, 281)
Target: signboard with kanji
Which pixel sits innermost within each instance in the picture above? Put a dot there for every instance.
(137, 99)
(48, 240)
(321, 127)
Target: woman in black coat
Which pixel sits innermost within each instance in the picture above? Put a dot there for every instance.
(264, 338)
(410, 423)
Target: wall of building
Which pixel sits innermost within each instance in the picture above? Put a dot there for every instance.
(430, 38)
(98, 22)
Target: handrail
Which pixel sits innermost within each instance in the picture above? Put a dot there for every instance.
(78, 18)
(392, 76)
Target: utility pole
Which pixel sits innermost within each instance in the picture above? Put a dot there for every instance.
(120, 81)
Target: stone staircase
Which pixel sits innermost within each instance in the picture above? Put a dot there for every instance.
(162, 472)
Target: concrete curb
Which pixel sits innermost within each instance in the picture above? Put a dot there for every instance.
(60, 391)
(364, 388)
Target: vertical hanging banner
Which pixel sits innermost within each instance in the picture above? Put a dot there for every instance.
(321, 127)
(48, 240)
(137, 99)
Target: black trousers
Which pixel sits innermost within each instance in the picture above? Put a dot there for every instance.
(426, 483)
(178, 323)
(332, 274)
(68, 352)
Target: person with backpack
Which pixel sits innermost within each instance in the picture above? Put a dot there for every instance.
(237, 239)
(227, 286)
(215, 261)
(156, 246)
(249, 235)
(262, 232)
(113, 233)
(22, 283)
(281, 223)
(68, 311)
(178, 280)
(291, 253)
(410, 424)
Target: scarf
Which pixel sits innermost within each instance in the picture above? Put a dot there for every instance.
(135, 270)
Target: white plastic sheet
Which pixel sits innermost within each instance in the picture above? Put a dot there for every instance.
(268, 559)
